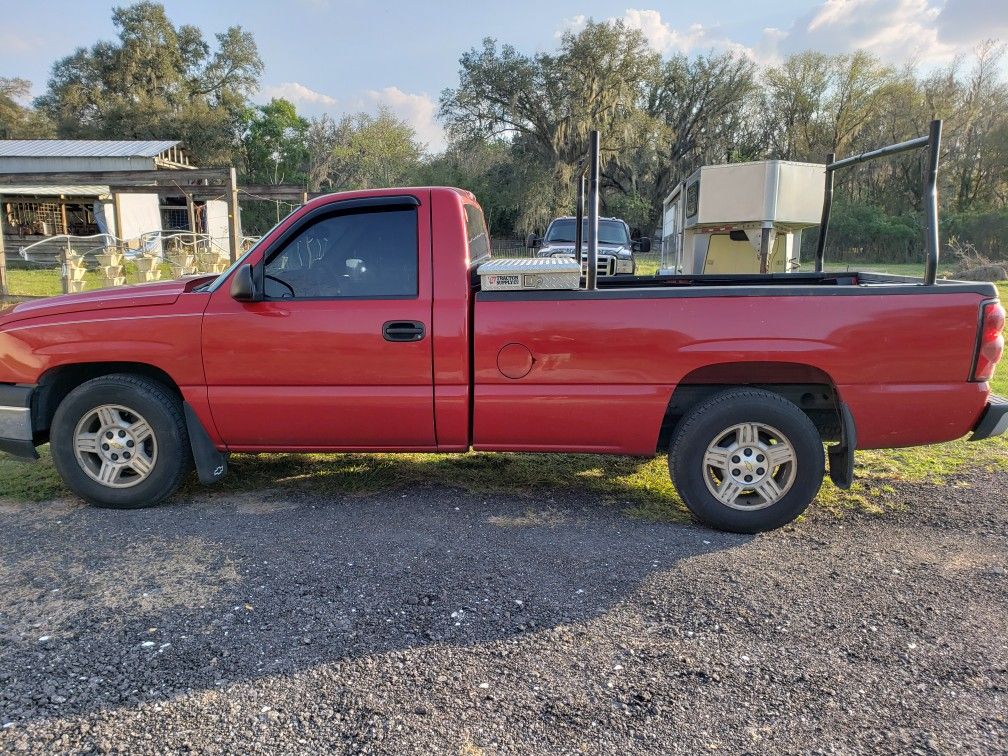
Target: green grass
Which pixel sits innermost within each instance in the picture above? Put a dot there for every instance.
(899, 269)
(647, 267)
(38, 283)
(640, 487)
(46, 282)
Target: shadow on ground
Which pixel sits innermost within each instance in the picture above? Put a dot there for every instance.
(107, 608)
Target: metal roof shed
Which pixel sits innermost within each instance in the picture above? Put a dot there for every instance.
(65, 155)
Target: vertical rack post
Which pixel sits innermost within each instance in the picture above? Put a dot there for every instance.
(764, 250)
(579, 218)
(826, 208)
(931, 200)
(593, 210)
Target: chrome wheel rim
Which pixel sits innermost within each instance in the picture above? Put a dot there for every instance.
(115, 446)
(749, 466)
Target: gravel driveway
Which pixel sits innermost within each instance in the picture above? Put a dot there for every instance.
(433, 620)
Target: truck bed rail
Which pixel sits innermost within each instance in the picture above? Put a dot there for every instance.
(933, 142)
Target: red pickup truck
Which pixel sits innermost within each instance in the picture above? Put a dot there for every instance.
(358, 324)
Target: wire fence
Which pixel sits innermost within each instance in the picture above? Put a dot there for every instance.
(65, 263)
(68, 264)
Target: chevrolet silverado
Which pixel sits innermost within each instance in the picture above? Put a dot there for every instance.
(358, 324)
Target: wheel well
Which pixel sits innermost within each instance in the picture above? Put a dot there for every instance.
(55, 384)
(808, 388)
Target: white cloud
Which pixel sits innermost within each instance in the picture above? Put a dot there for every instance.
(925, 31)
(574, 25)
(661, 36)
(895, 30)
(969, 21)
(418, 110)
(19, 42)
(299, 94)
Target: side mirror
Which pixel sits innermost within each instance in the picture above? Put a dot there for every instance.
(243, 285)
(532, 241)
(643, 244)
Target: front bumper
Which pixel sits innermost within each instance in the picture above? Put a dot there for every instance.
(16, 433)
(994, 420)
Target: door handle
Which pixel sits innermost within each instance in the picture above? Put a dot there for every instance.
(403, 330)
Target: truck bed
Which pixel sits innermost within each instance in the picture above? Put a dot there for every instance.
(605, 363)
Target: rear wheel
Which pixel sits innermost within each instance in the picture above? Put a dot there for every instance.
(120, 441)
(746, 460)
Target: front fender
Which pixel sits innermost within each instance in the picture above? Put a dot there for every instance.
(170, 343)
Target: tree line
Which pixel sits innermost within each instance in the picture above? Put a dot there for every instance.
(517, 125)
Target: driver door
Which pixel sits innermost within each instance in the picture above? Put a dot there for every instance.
(338, 354)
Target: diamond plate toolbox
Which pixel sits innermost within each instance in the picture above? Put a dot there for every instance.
(530, 273)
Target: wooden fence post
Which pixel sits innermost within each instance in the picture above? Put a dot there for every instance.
(3, 259)
(65, 269)
(234, 217)
(191, 212)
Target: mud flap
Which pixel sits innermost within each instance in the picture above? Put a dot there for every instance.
(841, 456)
(211, 464)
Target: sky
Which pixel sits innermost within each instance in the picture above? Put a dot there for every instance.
(344, 56)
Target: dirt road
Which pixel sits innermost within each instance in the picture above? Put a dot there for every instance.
(432, 620)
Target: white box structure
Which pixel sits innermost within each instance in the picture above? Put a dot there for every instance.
(786, 194)
(765, 203)
(530, 273)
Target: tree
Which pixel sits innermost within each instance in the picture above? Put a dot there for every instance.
(321, 141)
(17, 121)
(981, 125)
(489, 170)
(157, 81)
(699, 111)
(274, 144)
(658, 118)
(859, 87)
(795, 92)
(373, 151)
(546, 104)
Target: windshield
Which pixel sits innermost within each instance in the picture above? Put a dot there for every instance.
(609, 231)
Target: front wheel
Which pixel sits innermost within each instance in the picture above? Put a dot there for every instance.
(120, 441)
(746, 460)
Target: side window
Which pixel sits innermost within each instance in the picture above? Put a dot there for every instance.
(371, 253)
(476, 233)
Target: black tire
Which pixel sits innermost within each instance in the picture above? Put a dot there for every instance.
(162, 411)
(705, 423)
